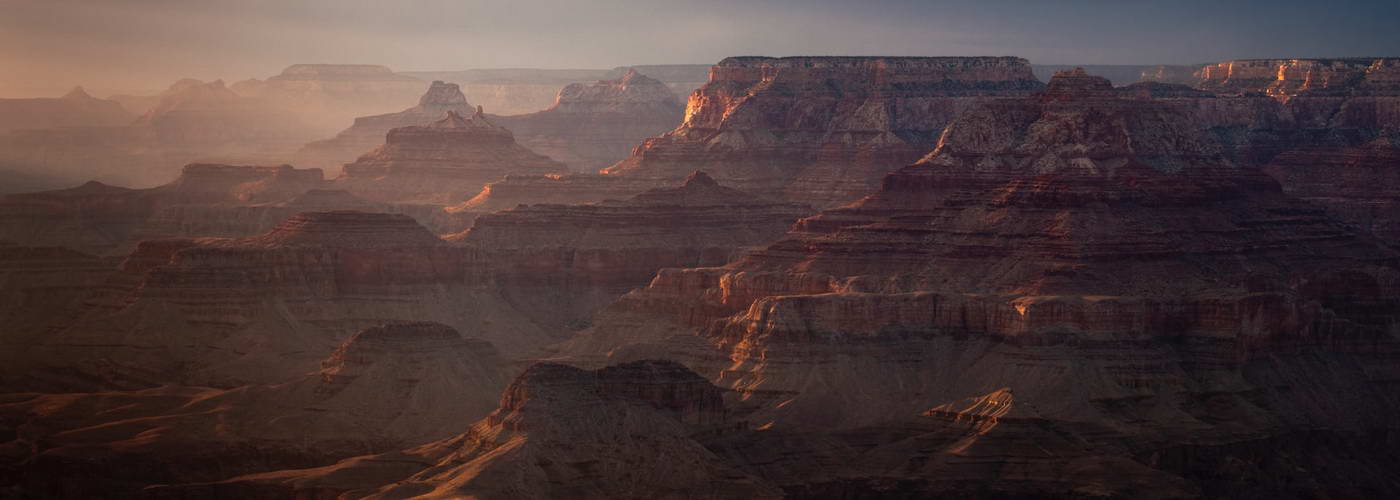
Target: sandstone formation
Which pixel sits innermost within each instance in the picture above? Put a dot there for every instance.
(564, 262)
(820, 130)
(591, 126)
(387, 387)
(368, 132)
(1288, 77)
(446, 162)
(262, 309)
(560, 432)
(1084, 270)
(74, 109)
(572, 189)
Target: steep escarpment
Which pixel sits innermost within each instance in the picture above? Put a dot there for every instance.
(446, 162)
(820, 130)
(264, 308)
(560, 432)
(591, 126)
(1081, 269)
(387, 387)
(367, 133)
(1289, 77)
(567, 261)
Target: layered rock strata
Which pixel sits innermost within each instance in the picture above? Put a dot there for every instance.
(820, 130)
(567, 261)
(367, 133)
(261, 309)
(1082, 264)
(446, 162)
(591, 126)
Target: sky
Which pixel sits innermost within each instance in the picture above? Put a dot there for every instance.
(141, 46)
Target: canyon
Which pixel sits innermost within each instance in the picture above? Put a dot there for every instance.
(851, 277)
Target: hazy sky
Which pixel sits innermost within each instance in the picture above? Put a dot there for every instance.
(143, 45)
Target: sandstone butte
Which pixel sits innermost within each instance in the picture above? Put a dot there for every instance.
(367, 132)
(330, 95)
(446, 162)
(1077, 281)
(225, 312)
(815, 130)
(564, 262)
(387, 387)
(593, 125)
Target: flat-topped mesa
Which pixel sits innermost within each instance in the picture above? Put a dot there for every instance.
(345, 228)
(1077, 84)
(446, 162)
(1290, 77)
(368, 132)
(365, 72)
(408, 350)
(947, 74)
(514, 190)
(593, 125)
(205, 183)
(820, 130)
(662, 384)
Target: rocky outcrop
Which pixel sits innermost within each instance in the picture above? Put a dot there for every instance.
(260, 309)
(1317, 77)
(560, 432)
(591, 126)
(567, 261)
(568, 189)
(446, 162)
(74, 109)
(1083, 264)
(820, 130)
(368, 132)
(1353, 183)
(387, 387)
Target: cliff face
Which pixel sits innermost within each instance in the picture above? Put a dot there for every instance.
(387, 387)
(567, 261)
(446, 162)
(1288, 77)
(591, 126)
(820, 130)
(560, 432)
(1077, 260)
(367, 133)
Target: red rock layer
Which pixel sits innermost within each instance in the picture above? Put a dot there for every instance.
(367, 133)
(820, 130)
(446, 162)
(1288, 77)
(560, 432)
(1080, 264)
(591, 126)
(566, 261)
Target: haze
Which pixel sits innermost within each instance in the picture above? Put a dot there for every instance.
(140, 46)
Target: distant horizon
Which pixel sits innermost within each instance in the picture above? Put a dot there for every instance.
(140, 46)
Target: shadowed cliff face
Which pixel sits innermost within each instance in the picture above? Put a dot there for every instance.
(1092, 255)
(367, 133)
